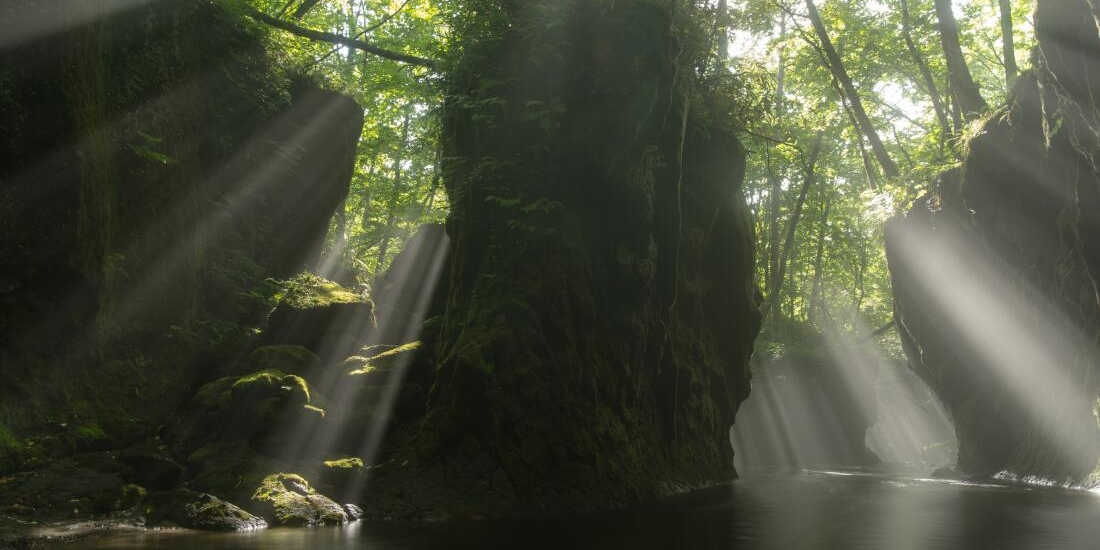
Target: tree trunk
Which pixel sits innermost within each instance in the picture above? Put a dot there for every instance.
(836, 66)
(1008, 47)
(788, 245)
(391, 217)
(774, 193)
(815, 293)
(967, 95)
(925, 72)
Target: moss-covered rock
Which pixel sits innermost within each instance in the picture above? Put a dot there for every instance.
(227, 468)
(287, 499)
(345, 475)
(322, 316)
(267, 408)
(373, 365)
(270, 383)
(289, 359)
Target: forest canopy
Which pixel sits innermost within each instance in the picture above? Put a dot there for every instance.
(856, 107)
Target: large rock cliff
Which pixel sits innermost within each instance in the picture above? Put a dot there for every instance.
(995, 272)
(599, 309)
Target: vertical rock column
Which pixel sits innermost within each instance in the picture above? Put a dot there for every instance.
(600, 304)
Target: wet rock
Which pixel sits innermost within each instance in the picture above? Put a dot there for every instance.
(204, 511)
(354, 512)
(287, 499)
(64, 489)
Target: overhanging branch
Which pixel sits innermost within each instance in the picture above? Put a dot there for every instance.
(333, 38)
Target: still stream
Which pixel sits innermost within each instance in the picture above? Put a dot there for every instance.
(807, 510)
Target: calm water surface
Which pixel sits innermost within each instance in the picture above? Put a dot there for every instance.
(813, 510)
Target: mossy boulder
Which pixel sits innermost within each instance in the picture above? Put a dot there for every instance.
(264, 406)
(227, 468)
(270, 384)
(321, 316)
(287, 358)
(202, 511)
(345, 475)
(288, 499)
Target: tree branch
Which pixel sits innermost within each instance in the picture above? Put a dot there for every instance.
(333, 38)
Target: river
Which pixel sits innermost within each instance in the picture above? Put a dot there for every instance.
(808, 510)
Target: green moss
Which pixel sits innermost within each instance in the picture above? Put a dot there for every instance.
(7, 440)
(267, 380)
(89, 431)
(373, 361)
(308, 291)
(287, 499)
(10, 449)
(298, 385)
(353, 463)
(273, 488)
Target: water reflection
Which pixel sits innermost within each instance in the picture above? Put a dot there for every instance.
(813, 510)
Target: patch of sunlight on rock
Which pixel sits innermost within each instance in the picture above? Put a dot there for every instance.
(373, 360)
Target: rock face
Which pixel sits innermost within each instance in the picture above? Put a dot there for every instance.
(599, 297)
(155, 170)
(995, 272)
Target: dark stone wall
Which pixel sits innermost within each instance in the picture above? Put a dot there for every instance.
(994, 272)
(599, 311)
(155, 169)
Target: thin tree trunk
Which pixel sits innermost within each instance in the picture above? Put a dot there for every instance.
(1008, 45)
(819, 256)
(792, 225)
(967, 95)
(391, 217)
(342, 226)
(774, 193)
(925, 72)
(836, 66)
